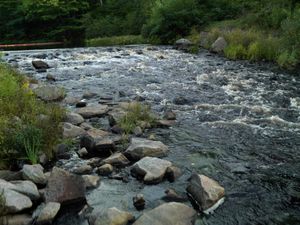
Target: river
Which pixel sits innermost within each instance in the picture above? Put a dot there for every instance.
(239, 124)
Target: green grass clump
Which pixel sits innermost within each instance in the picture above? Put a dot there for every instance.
(288, 60)
(28, 126)
(116, 40)
(235, 51)
(136, 114)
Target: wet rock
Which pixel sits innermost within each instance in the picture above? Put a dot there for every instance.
(113, 216)
(91, 181)
(86, 126)
(81, 104)
(168, 214)
(115, 115)
(40, 65)
(165, 123)
(48, 213)
(173, 196)
(219, 45)
(151, 170)
(50, 77)
(84, 169)
(170, 115)
(10, 175)
(139, 52)
(22, 219)
(61, 151)
(180, 101)
(74, 118)
(35, 173)
(49, 93)
(138, 131)
(139, 201)
(93, 111)
(71, 100)
(105, 170)
(72, 131)
(141, 147)
(183, 44)
(204, 191)
(65, 188)
(173, 173)
(82, 152)
(89, 95)
(117, 159)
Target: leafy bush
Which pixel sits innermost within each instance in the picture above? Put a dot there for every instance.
(135, 114)
(28, 126)
(288, 60)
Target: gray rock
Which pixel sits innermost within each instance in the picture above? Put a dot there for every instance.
(72, 131)
(48, 213)
(115, 115)
(170, 115)
(205, 191)
(91, 181)
(86, 126)
(173, 196)
(89, 95)
(183, 44)
(50, 93)
(165, 123)
(219, 45)
(138, 131)
(93, 111)
(117, 159)
(74, 118)
(105, 170)
(50, 77)
(82, 152)
(151, 170)
(22, 219)
(27, 188)
(10, 175)
(139, 201)
(168, 214)
(14, 201)
(34, 173)
(81, 104)
(64, 187)
(173, 173)
(113, 216)
(141, 147)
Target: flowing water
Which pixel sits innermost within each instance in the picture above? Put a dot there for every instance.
(240, 125)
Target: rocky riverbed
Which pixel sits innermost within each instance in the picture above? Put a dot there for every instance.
(236, 123)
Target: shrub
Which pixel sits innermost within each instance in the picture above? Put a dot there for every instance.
(135, 114)
(28, 126)
(288, 60)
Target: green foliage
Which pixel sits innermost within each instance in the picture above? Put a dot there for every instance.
(235, 51)
(28, 126)
(288, 60)
(136, 113)
(119, 40)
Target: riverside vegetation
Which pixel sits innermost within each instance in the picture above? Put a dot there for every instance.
(255, 30)
(28, 126)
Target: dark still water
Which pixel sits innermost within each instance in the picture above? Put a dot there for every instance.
(240, 125)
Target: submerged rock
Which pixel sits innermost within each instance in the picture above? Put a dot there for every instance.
(141, 147)
(151, 170)
(65, 188)
(205, 191)
(40, 65)
(168, 214)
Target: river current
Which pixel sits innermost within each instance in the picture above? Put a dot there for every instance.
(239, 123)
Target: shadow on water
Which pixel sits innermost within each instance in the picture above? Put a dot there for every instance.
(240, 125)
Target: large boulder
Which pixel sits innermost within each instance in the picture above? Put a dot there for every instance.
(151, 170)
(14, 202)
(219, 45)
(141, 147)
(49, 93)
(112, 216)
(205, 192)
(65, 188)
(35, 173)
(72, 131)
(183, 44)
(168, 214)
(93, 111)
(74, 118)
